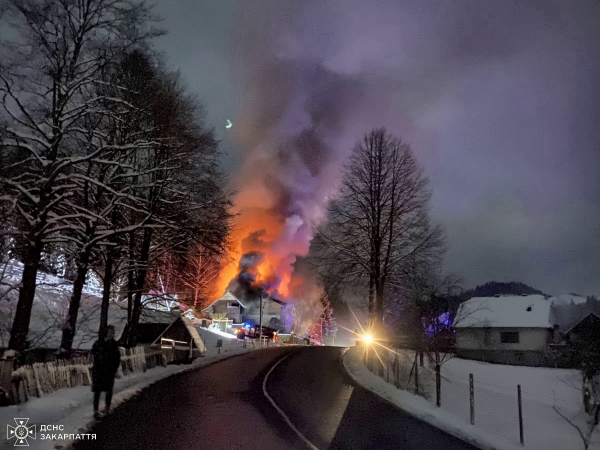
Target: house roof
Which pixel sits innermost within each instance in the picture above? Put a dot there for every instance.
(191, 328)
(531, 311)
(226, 296)
(593, 317)
(282, 303)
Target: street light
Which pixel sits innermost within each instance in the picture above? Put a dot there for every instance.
(368, 339)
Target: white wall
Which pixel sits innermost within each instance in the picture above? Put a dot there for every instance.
(529, 339)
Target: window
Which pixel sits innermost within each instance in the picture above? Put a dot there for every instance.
(509, 337)
(232, 304)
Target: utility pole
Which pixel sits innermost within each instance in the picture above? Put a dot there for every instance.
(261, 315)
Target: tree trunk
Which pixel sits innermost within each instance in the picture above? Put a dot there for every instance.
(377, 319)
(130, 275)
(70, 325)
(140, 281)
(371, 302)
(108, 276)
(20, 326)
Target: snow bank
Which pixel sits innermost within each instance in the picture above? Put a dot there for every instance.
(73, 407)
(496, 419)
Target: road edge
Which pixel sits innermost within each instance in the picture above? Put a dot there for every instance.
(304, 439)
(425, 417)
(127, 394)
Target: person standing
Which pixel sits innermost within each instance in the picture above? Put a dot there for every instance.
(107, 358)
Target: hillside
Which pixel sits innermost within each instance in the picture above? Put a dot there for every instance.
(492, 288)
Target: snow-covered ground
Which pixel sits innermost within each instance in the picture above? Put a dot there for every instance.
(14, 272)
(496, 410)
(72, 408)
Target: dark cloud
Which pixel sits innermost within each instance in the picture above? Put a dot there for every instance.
(500, 101)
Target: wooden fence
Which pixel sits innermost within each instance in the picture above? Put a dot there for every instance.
(38, 379)
(400, 368)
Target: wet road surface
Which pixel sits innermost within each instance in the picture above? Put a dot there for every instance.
(222, 406)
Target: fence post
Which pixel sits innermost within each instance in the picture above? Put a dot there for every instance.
(416, 376)
(520, 416)
(472, 398)
(438, 386)
(397, 371)
(387, 366)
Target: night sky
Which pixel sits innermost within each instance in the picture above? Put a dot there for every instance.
(499, 100)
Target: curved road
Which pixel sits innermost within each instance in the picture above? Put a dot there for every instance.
(222, 406)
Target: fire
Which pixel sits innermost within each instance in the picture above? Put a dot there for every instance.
(282, 190)
(267, 237)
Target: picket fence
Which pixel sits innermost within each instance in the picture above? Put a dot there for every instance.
(38, 379)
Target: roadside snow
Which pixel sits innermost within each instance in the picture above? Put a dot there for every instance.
(496, 417)
(73, 407)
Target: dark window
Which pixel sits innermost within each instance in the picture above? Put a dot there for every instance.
(509, 337)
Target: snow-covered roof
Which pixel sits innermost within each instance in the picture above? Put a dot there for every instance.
(227, 296)
(531, 311)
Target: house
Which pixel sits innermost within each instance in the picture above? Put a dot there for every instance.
(569, 314)
(229, 305)
(586, 329)
(248, 309)
(505, 329)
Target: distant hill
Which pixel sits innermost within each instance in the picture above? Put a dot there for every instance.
(496, 287)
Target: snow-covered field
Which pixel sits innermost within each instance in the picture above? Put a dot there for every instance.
(496, 411)
(73, 407)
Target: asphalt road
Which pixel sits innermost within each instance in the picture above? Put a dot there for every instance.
(222, 406)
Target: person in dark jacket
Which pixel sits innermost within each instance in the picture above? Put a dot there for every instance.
(106, 363)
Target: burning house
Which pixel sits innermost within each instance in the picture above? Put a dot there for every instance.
(246, 308)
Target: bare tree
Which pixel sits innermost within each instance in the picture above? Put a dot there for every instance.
(187, 199)
(47, 87)
(432, 301)
(379, 219)
(585, 355)
(199, 275)
(585, 429)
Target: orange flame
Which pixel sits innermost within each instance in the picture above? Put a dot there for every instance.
(274, 270)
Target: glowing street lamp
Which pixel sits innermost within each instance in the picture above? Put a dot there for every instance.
(368, 339)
